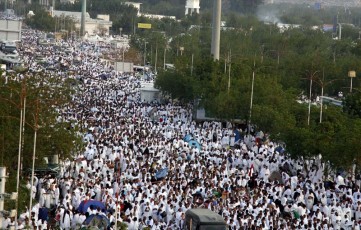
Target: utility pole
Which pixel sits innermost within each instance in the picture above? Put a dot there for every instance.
(34, 156)
(21, 144)
(2, 191)
(156, 57)
(145, 54)
(165, 50)
(192, 64)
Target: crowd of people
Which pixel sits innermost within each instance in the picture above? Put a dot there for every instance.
(146, 163)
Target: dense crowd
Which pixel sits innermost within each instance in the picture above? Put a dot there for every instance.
(145, 163)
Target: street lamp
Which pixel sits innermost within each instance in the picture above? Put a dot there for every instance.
(145, 54)
(351, 75)
(156, 57)
(251, 103)
(192, 64)
(229, 71)
(123, 51)
(165, 51)
(312, 75)
(228, 60)
(252, 92)
(181, 49)
(322, 83)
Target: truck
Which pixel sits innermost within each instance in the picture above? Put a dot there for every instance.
(203, 219)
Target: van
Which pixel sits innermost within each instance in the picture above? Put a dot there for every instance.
(203, 219)
(8, 47)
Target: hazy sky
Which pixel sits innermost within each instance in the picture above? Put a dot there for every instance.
(325, 2)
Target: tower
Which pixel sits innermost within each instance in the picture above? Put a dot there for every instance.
(216, 28)
(83, 12)
(192, 6)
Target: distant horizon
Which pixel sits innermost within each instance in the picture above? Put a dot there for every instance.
(347, 3)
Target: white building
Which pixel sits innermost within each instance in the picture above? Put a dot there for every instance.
(45, 2)
(192, 6)
(100, 25)
(120, 43)
(157, 16)
(137, 5)
(149, 94)
(269, 2)
(67, 1)
(10, 30)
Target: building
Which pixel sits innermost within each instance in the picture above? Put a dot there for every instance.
(192, 6)
(269, 2)
(137, 5)
(120, 43)
(149, 94)
(10, 30)
(45, 2)
(67, 1)
(101, 25)
(158, 16)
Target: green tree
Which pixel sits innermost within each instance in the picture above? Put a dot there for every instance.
(352, 104)
(42, 20)
(44, 95)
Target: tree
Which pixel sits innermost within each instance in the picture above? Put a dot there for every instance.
(284, 63)
(42, 20)
(352, 104)
(176, 84)
(44, 95)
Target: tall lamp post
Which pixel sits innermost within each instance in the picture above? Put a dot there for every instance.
(312, 75)
(351, 75)
(145, 54)
(228, 60)
(21, 141)
(123, 51)
(33, 159)
(229, 72)
(181, 49)
(164, 54)
(323, 83)
(251, 103)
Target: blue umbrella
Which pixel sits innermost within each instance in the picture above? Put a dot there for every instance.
(161, 173)
(194, 144)
(280, 149)
(96, 220)
(237, 135)
(187, 138)
(85, 204)
(43, 214)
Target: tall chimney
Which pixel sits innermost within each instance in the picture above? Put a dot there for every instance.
(216, 29)
(83, 12)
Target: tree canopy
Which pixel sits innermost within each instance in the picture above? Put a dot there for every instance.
(283, 65)
(44, 96)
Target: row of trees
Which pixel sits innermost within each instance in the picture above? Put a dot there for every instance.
(43, 21)
(37, 97)
(125, 17)
(283, 65)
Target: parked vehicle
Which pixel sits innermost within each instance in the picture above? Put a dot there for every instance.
(204, 219)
